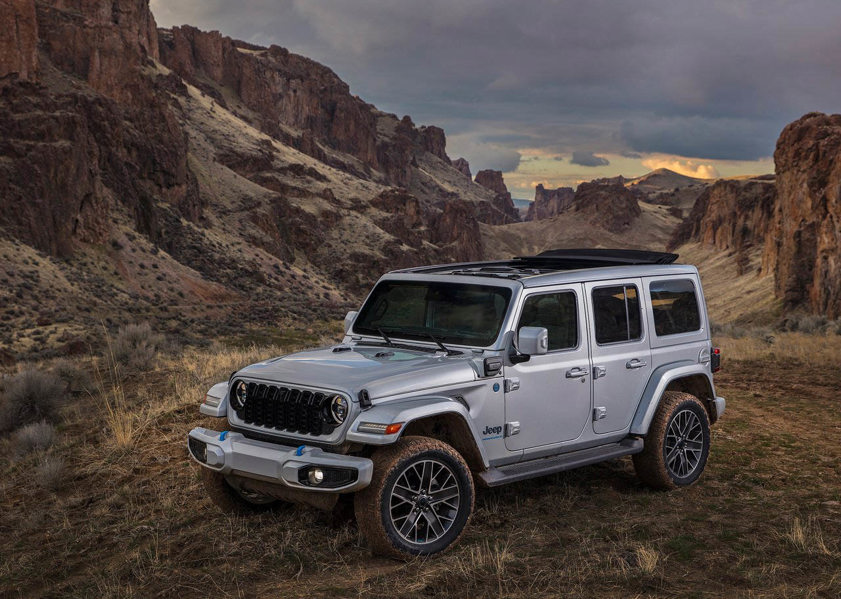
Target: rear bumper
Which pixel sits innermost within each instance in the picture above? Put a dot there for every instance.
(719, 405)
(234, 454)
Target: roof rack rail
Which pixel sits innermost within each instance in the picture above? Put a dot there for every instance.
(593, 258)
(548, 262)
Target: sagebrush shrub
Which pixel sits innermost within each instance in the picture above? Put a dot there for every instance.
(36, 436)
(74, 376)
(30, 396)
(136, 346)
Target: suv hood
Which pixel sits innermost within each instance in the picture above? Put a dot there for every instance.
(383, 371)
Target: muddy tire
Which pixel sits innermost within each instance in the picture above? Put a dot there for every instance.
(228, 499)
(677, 444)
(419, 500)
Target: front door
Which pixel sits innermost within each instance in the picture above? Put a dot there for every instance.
(552, 403)
(620, 350)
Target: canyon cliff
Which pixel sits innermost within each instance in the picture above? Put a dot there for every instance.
(144, 168)
(803, 246)
(549, 202)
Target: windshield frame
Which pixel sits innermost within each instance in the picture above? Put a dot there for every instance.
(510, 291)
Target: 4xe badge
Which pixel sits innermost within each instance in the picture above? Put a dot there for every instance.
(491, 432)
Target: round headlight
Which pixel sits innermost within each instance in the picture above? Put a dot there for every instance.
(338, 409)
(240, 394)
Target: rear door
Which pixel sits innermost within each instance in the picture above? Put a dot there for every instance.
(620, 350)
(549, 396)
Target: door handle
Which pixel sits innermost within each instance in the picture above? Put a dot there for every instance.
(635, 363)
(574, 373)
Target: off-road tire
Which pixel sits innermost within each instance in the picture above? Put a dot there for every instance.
(373, 504)
(651, 463)
(228, 499)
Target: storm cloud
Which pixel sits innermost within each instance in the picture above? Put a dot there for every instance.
(711, 80)
(588, 159)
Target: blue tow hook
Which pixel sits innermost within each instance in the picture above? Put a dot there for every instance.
(300, 450)
(223, 435)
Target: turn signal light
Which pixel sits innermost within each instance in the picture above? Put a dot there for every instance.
(393, 428)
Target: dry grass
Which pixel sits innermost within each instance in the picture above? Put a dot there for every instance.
(135, 523)
(647, 559)
(807, 536)
(50, 473)
(776, 345)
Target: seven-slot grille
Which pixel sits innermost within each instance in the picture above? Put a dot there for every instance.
(286, 409)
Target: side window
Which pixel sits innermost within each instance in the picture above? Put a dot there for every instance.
(675, 307)
(557, 313)
(616, 312)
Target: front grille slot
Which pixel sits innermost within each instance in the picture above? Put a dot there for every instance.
(285, 409)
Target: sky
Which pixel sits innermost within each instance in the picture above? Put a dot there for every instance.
(562, 91)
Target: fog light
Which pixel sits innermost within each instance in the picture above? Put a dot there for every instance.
(315, 476)
(198, 449)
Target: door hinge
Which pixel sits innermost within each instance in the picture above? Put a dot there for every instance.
(599, 413)
(512, 384)
(599, 372)
(512, 428)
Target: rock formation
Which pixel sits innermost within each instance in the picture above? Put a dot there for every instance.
(241, 177)
(462, 166)
(610, 206)
(72, 154)
(729, 215)
(549, 203)
(803, 246)
(19, 43)
(492, 180)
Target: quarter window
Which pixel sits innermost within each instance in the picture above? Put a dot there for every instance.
(616, 312)
(675, 307)
(557, 313)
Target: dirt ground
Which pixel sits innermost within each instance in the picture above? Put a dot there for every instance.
(129, 519)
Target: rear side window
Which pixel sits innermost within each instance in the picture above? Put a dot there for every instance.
(557, 313)
(616, 312)
(675, 307)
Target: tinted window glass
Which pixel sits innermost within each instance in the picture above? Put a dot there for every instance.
(616, 311)
(675, 307)
(454, 313)
(557, 313)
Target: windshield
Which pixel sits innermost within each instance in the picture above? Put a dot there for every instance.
(451, 312)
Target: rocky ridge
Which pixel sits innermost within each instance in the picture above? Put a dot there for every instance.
(731, 216)
(146, 192)
(549, 202)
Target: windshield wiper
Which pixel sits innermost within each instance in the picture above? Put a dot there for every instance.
(450, 352)
(388, 341)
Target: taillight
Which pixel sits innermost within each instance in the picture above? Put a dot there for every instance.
(715, 363)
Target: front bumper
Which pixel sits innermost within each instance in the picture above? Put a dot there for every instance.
(235, 454)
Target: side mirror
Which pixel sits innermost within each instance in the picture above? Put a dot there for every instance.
(349, 318)
(533, 341)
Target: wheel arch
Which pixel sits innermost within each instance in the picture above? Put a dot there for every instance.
(444, 418)
(452, 429)
(687, 377)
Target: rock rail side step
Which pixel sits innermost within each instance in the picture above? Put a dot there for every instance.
(503, 475)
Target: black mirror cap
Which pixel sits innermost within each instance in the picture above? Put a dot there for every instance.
(492, 366)
(518, 358)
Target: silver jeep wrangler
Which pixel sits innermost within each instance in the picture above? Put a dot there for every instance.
(479, 373)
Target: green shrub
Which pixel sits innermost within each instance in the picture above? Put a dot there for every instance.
(30, 396)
